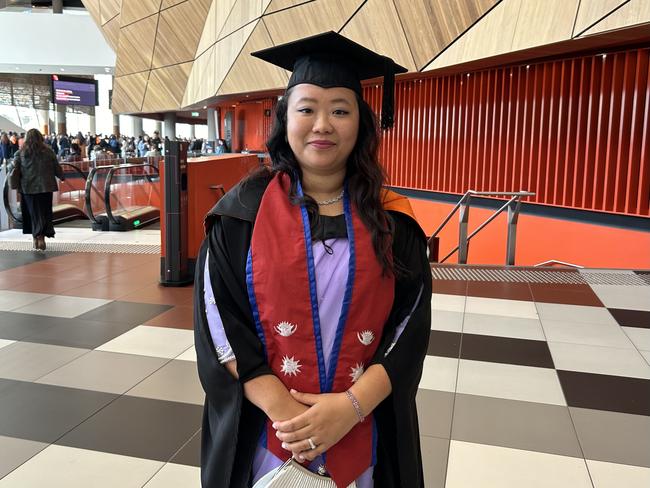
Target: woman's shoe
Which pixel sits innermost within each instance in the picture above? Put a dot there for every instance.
(41, 243)
(36, 243)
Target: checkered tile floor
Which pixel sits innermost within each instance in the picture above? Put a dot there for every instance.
(526, 383)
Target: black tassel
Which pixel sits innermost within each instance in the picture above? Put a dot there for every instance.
(388, 97)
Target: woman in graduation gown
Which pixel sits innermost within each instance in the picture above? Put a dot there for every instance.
(312, 292)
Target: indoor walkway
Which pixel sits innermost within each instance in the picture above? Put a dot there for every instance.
(533, 378)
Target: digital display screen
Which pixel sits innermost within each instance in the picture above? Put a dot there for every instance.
(78, 92)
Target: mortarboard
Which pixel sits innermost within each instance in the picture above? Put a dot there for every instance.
(330, 60)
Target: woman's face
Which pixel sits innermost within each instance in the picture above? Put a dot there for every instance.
(322, 127)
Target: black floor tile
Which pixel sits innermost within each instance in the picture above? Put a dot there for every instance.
(190, 453)
(130, 313)
(16, 326)
(86, 334)
(13, 259)
(631, 318)
(604, 392)
(139, 427)
(506, 350)
(44, 412)
(444, 343)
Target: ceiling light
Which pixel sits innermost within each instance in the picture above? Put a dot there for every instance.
(62, 69)
(204, 107)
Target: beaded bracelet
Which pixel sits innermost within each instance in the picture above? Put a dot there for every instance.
(355, 404)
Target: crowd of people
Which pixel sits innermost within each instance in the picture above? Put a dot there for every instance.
(97, 147)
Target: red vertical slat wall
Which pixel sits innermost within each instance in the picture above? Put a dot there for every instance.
(574, 131)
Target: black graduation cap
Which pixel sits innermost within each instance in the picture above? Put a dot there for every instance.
(330, 60)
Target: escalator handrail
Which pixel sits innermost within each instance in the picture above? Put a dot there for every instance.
(5, 198)
(89, 186)
(107, 187)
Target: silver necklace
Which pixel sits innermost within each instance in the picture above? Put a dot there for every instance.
(332, 200)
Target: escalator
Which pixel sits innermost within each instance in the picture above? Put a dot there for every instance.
(123, 197)
(67, 203)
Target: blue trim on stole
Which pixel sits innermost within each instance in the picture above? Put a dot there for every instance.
(253, 301)
(313, 294)
(373, 461)
(347, 297)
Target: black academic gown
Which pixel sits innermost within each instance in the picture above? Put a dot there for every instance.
(231, 424)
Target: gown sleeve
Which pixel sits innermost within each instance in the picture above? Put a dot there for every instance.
(401, 352)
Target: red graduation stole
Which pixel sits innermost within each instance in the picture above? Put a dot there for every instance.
(282, 292)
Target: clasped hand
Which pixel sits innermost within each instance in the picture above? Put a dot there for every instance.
(329, 418)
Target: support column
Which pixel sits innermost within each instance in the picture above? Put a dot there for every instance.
(169, 130)
(44, 121)
(212, 127)
(92, 125)
(61, 126)
(159, 128)
(217, 114)
(192, 131)
(116, 125)
(57, 6)
(137, 126)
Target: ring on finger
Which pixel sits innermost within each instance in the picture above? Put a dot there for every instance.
(311, 443)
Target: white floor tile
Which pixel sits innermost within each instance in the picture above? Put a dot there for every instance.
(477, 465)
(63, 306)
(499, 306)
(176, 381)
(450, 303)
(175, 476)
(28, 361)
(446, 320)
(151, 341)
(5, 342)
(439, 374)
(640, 337)
(574, 313)
(68, 467)
(597, 359)
(629, 297)
(606, 335)
(189, 355)
(646, 355)
(497, 325)
(510, 381)
(612, 475)
(12, 300)
(16, 451)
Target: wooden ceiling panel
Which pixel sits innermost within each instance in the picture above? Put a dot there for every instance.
(309, 19)
(111, 31)
(93, 9)
(169, 3)
(252, 74)
(480, 40)
(179, 31)
(201, 82)
(430, 26)
(228, 49)
(380, 16)
(276, 5)
(133, 11)
(109, 9)
(136, 46)
(591, 12)
(242, 12)
(536, 27)
(632, 13)
(209, 34)
(166, 88)
(224, 8)
(128, 93)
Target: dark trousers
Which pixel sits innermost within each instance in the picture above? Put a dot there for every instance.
(36, 209)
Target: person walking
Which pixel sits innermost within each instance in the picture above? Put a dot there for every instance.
(38, 168)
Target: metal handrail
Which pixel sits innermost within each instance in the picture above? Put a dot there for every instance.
(513, 205)
(555, 261)
(89, 186)
(107, 185)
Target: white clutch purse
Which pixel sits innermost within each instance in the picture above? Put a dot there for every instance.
(292, 475)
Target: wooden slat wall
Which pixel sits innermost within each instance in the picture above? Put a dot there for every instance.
(575, 131)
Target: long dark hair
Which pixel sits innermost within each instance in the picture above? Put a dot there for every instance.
(34, 143)
(365, 176)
